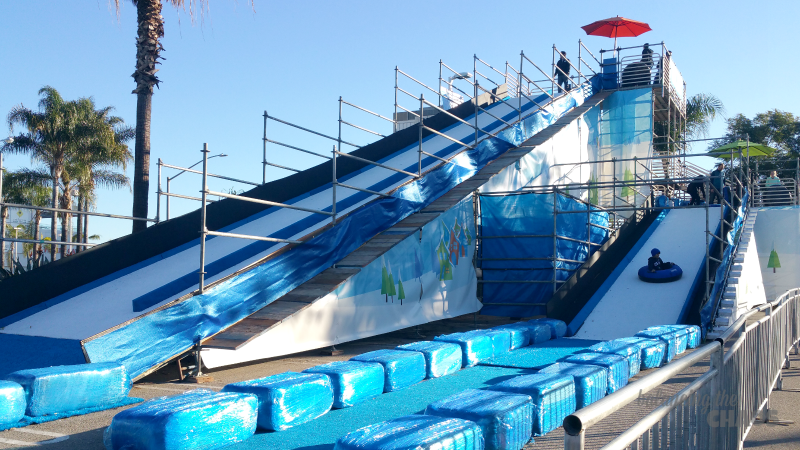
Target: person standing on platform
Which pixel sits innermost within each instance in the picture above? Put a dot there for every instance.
(562, 71)
(718, 183)
(647, 56)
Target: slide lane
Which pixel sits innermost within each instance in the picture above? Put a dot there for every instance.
(624, 304)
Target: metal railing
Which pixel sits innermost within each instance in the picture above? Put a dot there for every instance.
(745, 366)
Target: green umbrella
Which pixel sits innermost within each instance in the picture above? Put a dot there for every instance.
(752, 148)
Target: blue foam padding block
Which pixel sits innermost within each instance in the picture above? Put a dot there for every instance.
(352, 381)
(693, 334)
(501, 340)
(441, 358)
(401, 368)
(616, 367)
(198, 419)
(12, 402)
(415, 432)
(59, 389)
(539, 332)
(669, 337)
(651, 351)
(591, 382)
(27, 420)
(288, 399)
(681, 335)
(474, 347)
(504, 418)
(540, 355)
(520, 336)
(558, 328)
(629, 351)
(553, 396)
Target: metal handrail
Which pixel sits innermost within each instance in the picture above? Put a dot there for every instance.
(72, 211)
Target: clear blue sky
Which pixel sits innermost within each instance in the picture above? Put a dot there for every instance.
(296, 58)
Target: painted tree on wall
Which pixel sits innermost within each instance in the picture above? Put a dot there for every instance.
(392, 290)
(418, 271)
(627, 191)
(401, 293)
(385, 286)
(593, 198)
(774, 262)
(446, 267)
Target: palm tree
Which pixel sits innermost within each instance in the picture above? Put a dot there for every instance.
(48, 139)
(150, 30)
(27, 187)
(701, 110)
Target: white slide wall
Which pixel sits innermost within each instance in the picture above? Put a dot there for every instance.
(627, 305)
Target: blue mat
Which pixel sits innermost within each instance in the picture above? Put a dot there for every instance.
(538, 356)
(322, 433)
(51, 417)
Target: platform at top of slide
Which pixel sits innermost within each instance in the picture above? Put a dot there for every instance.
(624, 304)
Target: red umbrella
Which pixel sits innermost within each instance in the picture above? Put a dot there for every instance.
(616, 27)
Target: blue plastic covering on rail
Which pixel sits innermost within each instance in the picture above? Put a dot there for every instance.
(504, 258)
(162, 334)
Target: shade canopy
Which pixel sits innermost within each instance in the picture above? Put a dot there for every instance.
(747, 149)
(615, 27)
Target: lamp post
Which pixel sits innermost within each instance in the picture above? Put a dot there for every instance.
(221, 155)
(16, 236)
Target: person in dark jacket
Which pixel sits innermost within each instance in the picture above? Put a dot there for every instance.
(718, 182)
(654, 263)
(695, 190)
(562, 72)
(647, 56)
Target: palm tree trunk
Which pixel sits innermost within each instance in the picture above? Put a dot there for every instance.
(86, 221)
(37, 220)
(54, 220)
(148, 46)
(79, 233)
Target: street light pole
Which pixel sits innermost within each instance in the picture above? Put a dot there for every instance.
(221, 155)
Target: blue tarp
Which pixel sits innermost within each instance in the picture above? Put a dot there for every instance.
(531, 214)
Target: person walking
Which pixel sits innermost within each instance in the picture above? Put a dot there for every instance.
(562, 72)
(718, 183)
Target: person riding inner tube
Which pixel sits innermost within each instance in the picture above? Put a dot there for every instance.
(658, 271)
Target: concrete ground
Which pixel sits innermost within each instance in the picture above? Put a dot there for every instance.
(785, 406)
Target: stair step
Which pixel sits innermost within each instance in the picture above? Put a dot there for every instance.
(724, 320)
(725, 312)
(729, 296)
(727, 303)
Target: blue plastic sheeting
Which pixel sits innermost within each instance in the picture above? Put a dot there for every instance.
(27, 420)
(651, 351)
(539, 332)
(665, 336)
(158, 336)
(616, 367)
(553, 396)
(709, 309)
(692, 331)
(591, 382)
(474, 347)
(352, 381)
(628, 351)
(12, 402)
(67, 388)
(558, 328)
(505, 419)
(196, 420)
(415, 432)
(520, 335)
(531, 214)
(540, 355)
(401, 368)
(288, 399)
(501, 341)
(441, 358)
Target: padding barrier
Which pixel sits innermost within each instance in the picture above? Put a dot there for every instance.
(671, 337)
(553, 396)
(198, 419)
(628, 351)
(539, 332)
(415, 432)
(352, 381)
(441, 358)
(692, 331)
(501, 341)
(12, 402)
(591, 382)
(474, 347)
(520, 336)
(504, 418)
(558, 328)
(288, 399)
(651, 351)
(401, 369)
(61, 389)
(616, 367)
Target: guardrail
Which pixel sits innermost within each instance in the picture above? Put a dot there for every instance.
(746, 363)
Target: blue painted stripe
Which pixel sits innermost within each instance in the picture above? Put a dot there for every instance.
(587, 309)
